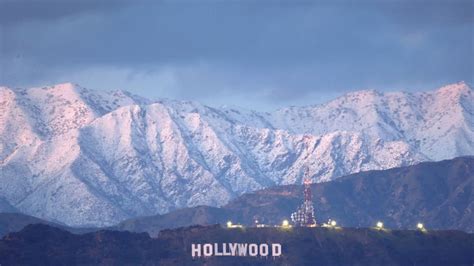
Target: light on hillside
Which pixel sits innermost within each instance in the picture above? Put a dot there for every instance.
(379, 225)
(420, 226)
(229, 224)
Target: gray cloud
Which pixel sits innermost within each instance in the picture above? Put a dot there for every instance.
(429, 13)
(20, 11)
(219, 52)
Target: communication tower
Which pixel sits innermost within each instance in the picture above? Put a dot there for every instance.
(304, 215)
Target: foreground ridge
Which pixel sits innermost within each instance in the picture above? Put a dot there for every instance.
(45, 245)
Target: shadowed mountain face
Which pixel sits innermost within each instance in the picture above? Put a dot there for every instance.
(13, 222)
(201, 215)
(45, 245)
(5, 206)
(438, 194)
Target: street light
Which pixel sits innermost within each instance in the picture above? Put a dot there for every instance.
(333, 223)
(229, 224)
(420, 226)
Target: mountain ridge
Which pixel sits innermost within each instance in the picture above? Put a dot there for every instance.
(437, 194)
(95, 158)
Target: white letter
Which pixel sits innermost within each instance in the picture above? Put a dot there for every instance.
(196, 250)
(253, 250)
(224, 250)
(207, 250)
(242, 249)
(276, 250)
(263, 250)
(216, 250)
(233, 248)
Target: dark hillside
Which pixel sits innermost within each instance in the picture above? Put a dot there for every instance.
(45, 245)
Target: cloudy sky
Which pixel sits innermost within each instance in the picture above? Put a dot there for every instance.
(258, 54)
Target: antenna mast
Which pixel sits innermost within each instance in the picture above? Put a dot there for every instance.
(304, 215)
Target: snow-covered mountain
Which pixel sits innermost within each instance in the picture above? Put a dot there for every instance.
(86, 157)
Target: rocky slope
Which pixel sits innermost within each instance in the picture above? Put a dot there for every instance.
(44, 245)
(85, 157)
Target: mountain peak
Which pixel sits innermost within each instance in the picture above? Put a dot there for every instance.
(455, 88)
(68, 86)
(364, 92)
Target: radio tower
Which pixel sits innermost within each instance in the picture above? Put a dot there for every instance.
(304, 215)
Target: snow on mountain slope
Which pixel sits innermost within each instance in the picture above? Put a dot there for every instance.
(440, 124)
(85, 157)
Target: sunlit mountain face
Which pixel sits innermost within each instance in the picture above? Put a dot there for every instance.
(85, 157)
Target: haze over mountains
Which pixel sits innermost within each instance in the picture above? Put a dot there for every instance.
(86, 157)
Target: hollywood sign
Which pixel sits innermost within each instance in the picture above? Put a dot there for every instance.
(235, 249)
